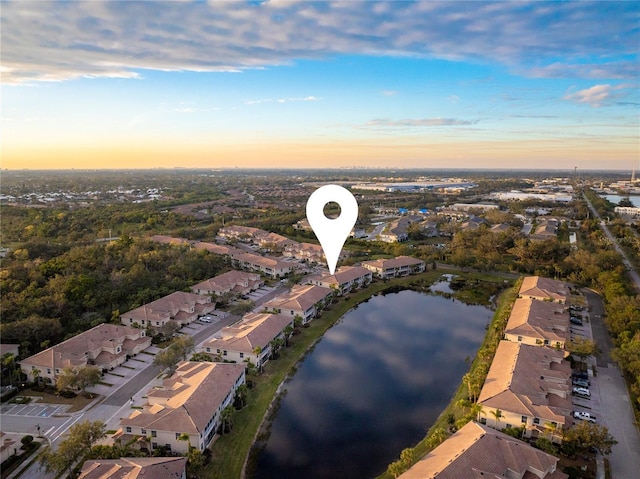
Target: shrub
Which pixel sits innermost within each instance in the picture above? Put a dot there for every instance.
(26, 441)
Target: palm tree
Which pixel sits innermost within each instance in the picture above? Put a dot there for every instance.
(476, 410)
(9, 361)
(257, 351)
(241, 396)
(463, 404)
(226, 419)
(35, 372)
(497, 414)
(185, 437)
(288, 331)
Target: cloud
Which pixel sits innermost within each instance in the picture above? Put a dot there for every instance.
(598, 95)
(56, 41)
(417, 122)
(389, 92)
(280, 100)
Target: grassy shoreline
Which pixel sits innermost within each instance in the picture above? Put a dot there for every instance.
(232, 451)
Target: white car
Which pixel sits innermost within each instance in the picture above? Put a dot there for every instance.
(584, 416)
(205, 319)
(582, 391)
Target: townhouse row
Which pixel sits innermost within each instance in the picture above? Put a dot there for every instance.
(528, 385)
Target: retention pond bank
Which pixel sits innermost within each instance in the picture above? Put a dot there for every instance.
(372, 386)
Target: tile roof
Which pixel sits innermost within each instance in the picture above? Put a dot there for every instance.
(74, 351)
(300, 298)
(228, 281)
(538, 319)
(262, 261)
(169, 306)
(134, 468)
(255, 330)
(529, 380)
(344, 274)
(477, 451)
(398, 262)
(188, 399)
(538, 287)
(217, 249)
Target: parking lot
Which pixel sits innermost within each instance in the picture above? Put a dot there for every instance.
(33, 410)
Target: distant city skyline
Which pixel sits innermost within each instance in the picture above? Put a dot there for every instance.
(282, 84)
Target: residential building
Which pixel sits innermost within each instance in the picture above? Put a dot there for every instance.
(179, 307)
(391, 268)
(544, 289)
(135, 468)
(473, 223)
(273, 242)
(305, 301)
(396, 231)
(222, 250)
(547, 228)
(309, 252)
(190, 402)
(477, 451)
(236, 282)
(266, 265)
(528, 385)
(474, 207)
(500, 228)
(245, 234)
(104, 346)
(250, 339)
(539, 323)
(346, 278)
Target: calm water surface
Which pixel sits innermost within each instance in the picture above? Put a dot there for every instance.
(371, 387)
(615, 199)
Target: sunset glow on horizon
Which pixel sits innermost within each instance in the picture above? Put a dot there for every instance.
(281, 84)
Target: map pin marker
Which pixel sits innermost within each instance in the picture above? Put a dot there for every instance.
(332, 233)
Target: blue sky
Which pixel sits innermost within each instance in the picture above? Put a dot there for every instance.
(308, 84)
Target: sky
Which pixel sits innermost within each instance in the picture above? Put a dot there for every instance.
(281, 84)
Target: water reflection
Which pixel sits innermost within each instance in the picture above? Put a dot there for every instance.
(371, 387)
(443, 285)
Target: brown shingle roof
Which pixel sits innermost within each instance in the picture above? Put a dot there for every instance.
(477, 451)
(299, 298)
(394, 262)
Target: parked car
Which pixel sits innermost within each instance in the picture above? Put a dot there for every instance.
(574, 320)
(580, 375)
(580, 391)
(581, 382)
(205, 319)
(584, 416)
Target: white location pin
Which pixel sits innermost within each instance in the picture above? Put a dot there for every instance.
(332, 233)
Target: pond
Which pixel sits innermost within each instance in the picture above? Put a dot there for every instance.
(371, 387)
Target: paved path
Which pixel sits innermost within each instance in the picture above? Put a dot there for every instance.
(617, 413)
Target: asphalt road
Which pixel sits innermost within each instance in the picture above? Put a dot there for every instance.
(633, 274)
(617, 413)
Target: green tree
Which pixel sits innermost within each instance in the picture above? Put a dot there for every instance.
(167, 358)
(195, 458)
(226, 418)
(201, 357)
(79, 441)
(87, 376)
(586, 435)
(242, 307)
(185, 437)
(582, 348)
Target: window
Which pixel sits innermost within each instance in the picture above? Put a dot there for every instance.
(536, 420)
(57, 371)
(242, 355)
(546, 342)
(483, 420)
(154, 445)
(177, 435)
(168, 446)
(128, 429)
(508, 426)
(224, 353)
(208, 350)
(48, 371)
(524, 419)
(143, 431)
(519, 338)
(154, 434)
